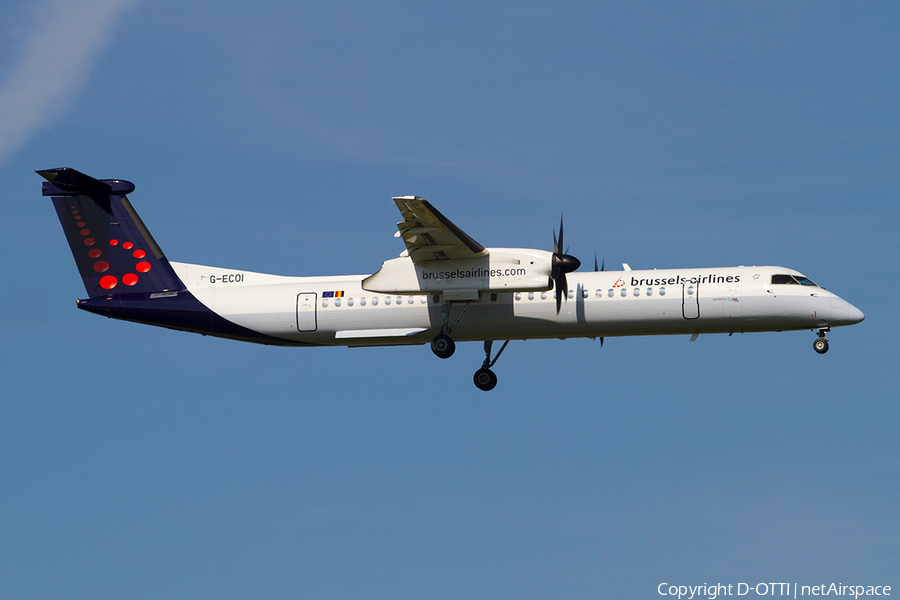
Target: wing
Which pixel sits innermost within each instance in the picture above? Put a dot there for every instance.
(429, 235)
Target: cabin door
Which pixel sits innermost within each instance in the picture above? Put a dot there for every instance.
(733, 300)
(306, 312)
(690, 300)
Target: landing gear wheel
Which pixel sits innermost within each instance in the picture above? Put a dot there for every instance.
(820, 345)
(485, 379)
(443, 346)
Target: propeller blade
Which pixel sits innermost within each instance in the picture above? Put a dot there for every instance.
(562, 263)
(560, 232)
(595, 262)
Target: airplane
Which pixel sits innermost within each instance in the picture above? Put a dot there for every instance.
(443, 288)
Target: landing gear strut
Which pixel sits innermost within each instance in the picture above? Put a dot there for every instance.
(821, 344)
(485, 379)
(443, 345)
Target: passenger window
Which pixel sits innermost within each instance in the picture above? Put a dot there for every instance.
(387, 300)
(531, 295)
(637, 292)
(611, 293)
(337, 301)
(662, 291)
(375, 301)
(349, 301)
(585, 293)
(362, 301)
(649, 291)
(571, 294)
(599, 293)
(543, 295)
(623, 293)
(324, 302)
(690, 290)
(399, 300)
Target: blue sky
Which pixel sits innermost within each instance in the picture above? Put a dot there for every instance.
(270, 136)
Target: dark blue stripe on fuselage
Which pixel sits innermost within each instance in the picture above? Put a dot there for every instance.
(181, 311)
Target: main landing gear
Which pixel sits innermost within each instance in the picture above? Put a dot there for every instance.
(821, 343)
(485, 379)
(443, 346)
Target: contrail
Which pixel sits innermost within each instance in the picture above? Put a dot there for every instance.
(53, 65)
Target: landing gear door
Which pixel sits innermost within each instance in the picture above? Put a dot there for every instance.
(690, 300)
(306, 312)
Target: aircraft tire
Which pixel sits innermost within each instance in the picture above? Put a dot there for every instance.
(820, 345)
(443, 346)
(485, 379)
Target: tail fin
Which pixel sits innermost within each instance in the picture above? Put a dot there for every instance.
(114, 251)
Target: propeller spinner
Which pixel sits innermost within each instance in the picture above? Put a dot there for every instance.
(562, 263)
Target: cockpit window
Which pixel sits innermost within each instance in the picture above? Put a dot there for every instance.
(792, 279)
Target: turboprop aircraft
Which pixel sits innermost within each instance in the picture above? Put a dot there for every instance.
(444, 287)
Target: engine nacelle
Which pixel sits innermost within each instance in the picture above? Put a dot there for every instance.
(502, 270)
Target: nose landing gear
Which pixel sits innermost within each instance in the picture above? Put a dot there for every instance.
(821, 344)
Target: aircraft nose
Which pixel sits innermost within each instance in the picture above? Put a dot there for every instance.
(844, 313)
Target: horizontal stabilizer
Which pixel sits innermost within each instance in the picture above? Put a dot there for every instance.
(69, 182)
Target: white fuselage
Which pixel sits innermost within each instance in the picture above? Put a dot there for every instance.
(338, 311)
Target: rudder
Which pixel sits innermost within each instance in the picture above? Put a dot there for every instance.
(112, 247)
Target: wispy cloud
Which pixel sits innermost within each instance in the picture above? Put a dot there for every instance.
(52, 65)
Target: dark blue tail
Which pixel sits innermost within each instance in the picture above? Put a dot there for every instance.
(114, 251)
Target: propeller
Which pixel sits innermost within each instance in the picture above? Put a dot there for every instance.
(596, 268)
(562, 263)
